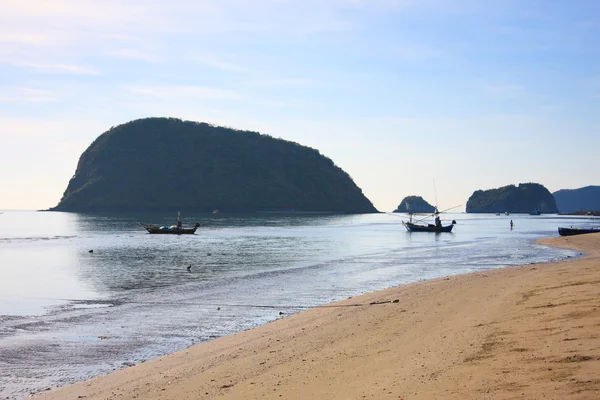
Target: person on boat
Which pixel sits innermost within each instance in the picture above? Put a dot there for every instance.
(438, 221)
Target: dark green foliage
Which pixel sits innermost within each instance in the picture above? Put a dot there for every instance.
(582, 199)
(165, 164)
(415, 204)
(525, 198)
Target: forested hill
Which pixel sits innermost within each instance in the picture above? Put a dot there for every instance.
(525, 198)
(156, 164)
(582, 199)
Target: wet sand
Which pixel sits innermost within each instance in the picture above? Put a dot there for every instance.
(528, 332)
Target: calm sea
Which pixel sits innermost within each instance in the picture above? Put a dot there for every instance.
(85, 294)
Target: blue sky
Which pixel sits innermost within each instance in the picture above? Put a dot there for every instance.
(473, 94)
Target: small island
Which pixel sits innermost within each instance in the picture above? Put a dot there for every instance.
(414, 204)
(524, 198)
(158, 164)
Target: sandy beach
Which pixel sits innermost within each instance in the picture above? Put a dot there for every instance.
(528, 332)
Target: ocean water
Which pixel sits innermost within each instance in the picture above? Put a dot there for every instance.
(82, 295)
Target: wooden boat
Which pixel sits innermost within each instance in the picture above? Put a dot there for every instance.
(437, 227)
(173, 230)
(576, 231)
(411, 227)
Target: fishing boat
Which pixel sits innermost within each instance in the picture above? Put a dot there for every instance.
(435, 227)
(178, 229)
(174, 230)
(576, 231)
(412, 227)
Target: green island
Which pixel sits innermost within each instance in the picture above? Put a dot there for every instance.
(156, 164)
(414, 204)
(524, 198)
(582, 201)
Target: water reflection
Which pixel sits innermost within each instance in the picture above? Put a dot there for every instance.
(28, 225)
(39, 269)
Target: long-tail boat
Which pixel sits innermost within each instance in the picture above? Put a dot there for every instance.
(173, 230)
(436, 227)
(178, 229)
(411, 227)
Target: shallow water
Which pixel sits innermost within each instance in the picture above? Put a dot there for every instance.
(67, 314)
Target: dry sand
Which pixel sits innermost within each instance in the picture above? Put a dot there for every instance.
(529, 332)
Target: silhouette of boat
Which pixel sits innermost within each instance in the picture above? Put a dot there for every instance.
(412, 227)
(173, 230)
(437, 227)
(576, 231)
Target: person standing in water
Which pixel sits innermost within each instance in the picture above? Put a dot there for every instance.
(511, 224)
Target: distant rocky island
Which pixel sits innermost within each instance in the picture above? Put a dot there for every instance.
(582, 201)
(524, 198)
(414, 204)
(158, 164)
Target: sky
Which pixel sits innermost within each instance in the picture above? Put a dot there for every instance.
(436, 98)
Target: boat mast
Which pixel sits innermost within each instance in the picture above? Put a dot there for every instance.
(435, 193)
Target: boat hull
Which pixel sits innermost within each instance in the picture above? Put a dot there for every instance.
(576, 231)
(427, 228)
(169, 231)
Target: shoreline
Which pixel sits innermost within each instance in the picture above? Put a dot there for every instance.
(516, 332)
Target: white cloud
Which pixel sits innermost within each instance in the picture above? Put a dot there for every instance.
(31, 16)
(56, 68)
(68, 129)
(282, 82)
(25, 38)
(133, 54)
(27, 95)
(176, 92)
(216, 62)
(57, 36)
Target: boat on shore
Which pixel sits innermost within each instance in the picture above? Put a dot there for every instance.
(576, 231)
